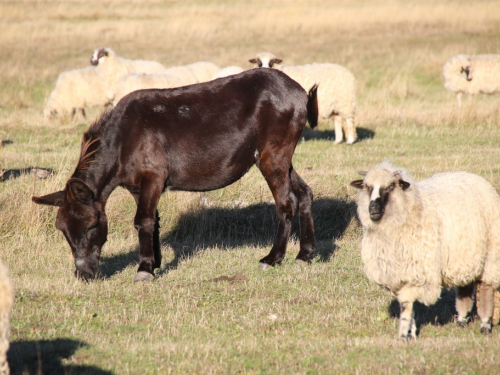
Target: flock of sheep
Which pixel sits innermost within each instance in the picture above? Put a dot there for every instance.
(417, 236)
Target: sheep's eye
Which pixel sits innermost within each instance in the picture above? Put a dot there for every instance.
(370, 189)
(392, 186)
(271, 64)
(259, 63)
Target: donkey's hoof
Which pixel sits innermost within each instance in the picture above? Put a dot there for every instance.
(264, 266)
(143, 276)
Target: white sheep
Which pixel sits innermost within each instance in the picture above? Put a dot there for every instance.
(336, 90)
(421, 236)
(74, 91)
(203, 70)
(133, 82)
(228, 71)
(6, 302)
(111, 68)
(472, 75)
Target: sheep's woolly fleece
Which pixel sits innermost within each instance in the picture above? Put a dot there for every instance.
(442, 231)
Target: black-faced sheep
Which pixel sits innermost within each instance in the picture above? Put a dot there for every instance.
(6, 302)
(472, 75)
(336, 90)
(421, 236)
(75, 90)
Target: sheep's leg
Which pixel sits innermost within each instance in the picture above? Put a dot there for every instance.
(350, 131)
(407, 326)
(339, 135)
(463, 303)
(459, 99)
(485, 294)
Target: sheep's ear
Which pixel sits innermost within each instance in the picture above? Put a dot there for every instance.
(253, 61)
(362, 173)
(358, 184)
(53, 199)
(277, 61)
(404, 185)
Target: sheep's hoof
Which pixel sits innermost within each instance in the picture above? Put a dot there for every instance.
(264, 266)
(462, 323)
(485, 330)
(143, 276)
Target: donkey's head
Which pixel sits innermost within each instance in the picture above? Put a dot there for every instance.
(83, 222)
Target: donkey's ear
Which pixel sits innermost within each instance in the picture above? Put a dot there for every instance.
(358, 184)
(54, 199)
(81, 191)
(404, 185)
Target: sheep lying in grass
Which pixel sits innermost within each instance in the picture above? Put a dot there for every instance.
(133, 82)
(111, 68)
(75, 90)
(336, 90)
(6, 302)
(472, 74)
(227, 71)
(421, 236)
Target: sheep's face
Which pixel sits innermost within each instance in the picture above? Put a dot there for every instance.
(265, 60)
(376, 190)
(466, 73)
(98, 55)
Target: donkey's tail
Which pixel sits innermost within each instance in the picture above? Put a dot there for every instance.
(312, 106)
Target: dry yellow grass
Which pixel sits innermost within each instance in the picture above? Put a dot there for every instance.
(326, 318)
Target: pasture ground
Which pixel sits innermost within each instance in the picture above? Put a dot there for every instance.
(211, 311)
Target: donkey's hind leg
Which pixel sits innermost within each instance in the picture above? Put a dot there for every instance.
(305, 197)
(277, 177)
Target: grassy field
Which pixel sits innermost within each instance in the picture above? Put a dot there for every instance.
(211, 311)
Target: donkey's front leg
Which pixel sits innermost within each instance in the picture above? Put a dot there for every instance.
(145, 222)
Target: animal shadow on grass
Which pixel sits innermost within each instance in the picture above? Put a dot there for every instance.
(37, 172)
(309, 134)
(441, 313)
(254, 225)
(47, 357)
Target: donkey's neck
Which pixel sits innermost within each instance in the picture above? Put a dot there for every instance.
(98, 160)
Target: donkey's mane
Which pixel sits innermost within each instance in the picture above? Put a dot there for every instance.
(90, 143)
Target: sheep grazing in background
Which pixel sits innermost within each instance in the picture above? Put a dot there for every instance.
(336, 91)
(203, 70)
(228, 71)
(421, 236)
(133, 82)
(472, 74)
(111, 68)
(75, 90)
(6, 302)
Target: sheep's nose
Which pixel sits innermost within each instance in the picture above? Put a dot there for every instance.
(376, 209)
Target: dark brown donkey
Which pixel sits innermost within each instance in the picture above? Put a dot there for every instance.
(194, 138)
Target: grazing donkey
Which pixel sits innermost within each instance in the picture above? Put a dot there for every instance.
(194, 138)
